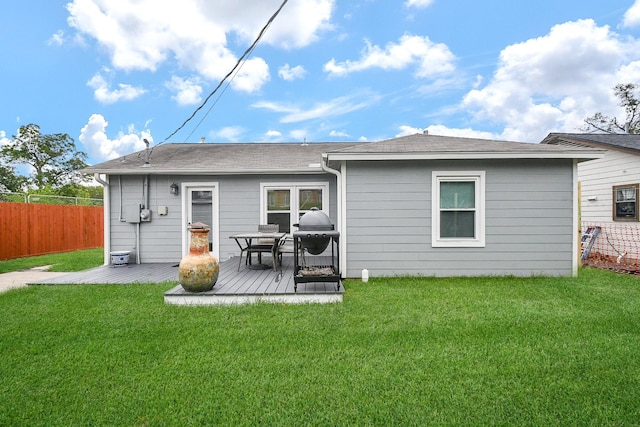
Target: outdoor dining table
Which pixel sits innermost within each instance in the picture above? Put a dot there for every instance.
(245, 240)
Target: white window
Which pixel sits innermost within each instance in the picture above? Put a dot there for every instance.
(457, 209)
(284, 204)
(625, 202)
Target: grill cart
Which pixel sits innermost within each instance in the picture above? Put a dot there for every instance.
(315, 234)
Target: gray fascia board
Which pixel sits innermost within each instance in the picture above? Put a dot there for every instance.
(580, 155)
(200, 172)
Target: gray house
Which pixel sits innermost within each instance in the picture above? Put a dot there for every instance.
(414, 205)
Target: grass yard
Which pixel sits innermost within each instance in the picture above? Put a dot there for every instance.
(64, 261)
(397, 351)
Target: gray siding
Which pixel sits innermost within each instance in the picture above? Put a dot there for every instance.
(529, 219)
(161, 239)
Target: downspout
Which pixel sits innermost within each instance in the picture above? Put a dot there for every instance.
(341, 212)
(146, 198)
(120, 219)
(575, 255)
(106, 209)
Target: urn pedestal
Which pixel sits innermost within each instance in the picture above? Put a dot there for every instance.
(198, 270)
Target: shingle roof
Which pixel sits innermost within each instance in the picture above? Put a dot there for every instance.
(221, 158)
(247, 158)
(626, 142)
(442, 147)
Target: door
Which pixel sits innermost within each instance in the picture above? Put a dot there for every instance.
(200, 204)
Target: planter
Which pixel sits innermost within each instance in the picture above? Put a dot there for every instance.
(198, 270)
(119, 258)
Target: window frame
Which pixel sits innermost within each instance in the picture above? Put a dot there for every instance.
(614, 190)
(479, 179)
(294, 202)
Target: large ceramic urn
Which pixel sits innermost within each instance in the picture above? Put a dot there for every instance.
(198, 270)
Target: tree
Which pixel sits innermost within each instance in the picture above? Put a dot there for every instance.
(54, 158)
(630, 100)
(10, 181)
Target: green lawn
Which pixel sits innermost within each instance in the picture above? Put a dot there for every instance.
(65, 261)
(399, 351)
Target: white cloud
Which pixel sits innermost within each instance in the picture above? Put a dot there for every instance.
(432, 59)
(289, 73)
(254, 74)
(144, 34)
(104, 94)
(3, 139)
(632, 16)
(335, 107)
(275, 107)
(56, 39)
(418, 3)
(188, 91)
(441, 130)
(338, 134)
(273, 134)
(230, 133)
(552, 83)
(94, 137)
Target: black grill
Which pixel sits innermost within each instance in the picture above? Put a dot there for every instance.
(311, 241)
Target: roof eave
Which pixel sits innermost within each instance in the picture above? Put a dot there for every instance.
(199, 172)
(579, 155)
(589, 143)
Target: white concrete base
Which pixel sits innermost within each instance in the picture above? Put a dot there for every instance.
(177, 296)
(208, 299)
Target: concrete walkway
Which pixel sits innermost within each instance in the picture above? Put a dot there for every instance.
(19, 279)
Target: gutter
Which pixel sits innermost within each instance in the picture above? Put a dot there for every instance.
(582, 155)
(106, 207)
(207, 172)
(341, 208)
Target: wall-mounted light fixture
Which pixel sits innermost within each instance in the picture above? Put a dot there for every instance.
(174, 189)
(592, 198)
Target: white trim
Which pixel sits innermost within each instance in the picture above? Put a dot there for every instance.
(106, 213)
(479, 178)
(293, 187)
(575, 256)
(215, 227)
(157, 171)
(342, 213)
(341, 198)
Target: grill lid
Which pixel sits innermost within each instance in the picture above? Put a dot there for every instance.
(314, 220)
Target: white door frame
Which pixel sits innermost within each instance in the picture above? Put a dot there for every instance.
(187, 188)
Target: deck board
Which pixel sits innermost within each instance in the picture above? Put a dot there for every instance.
(232, 286)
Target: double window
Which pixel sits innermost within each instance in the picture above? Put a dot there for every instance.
(284, 204)
(625, 202)
(458, 209)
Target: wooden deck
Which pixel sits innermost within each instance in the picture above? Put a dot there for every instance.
(232, 286)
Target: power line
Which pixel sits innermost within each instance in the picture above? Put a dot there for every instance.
(238, 64)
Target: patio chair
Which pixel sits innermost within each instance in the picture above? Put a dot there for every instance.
(287, 247)
(262, 245)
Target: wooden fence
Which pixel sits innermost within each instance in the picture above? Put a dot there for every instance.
(36, 229)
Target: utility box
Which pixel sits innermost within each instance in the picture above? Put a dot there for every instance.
(131, 214)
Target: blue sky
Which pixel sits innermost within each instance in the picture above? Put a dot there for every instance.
(111, 73)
